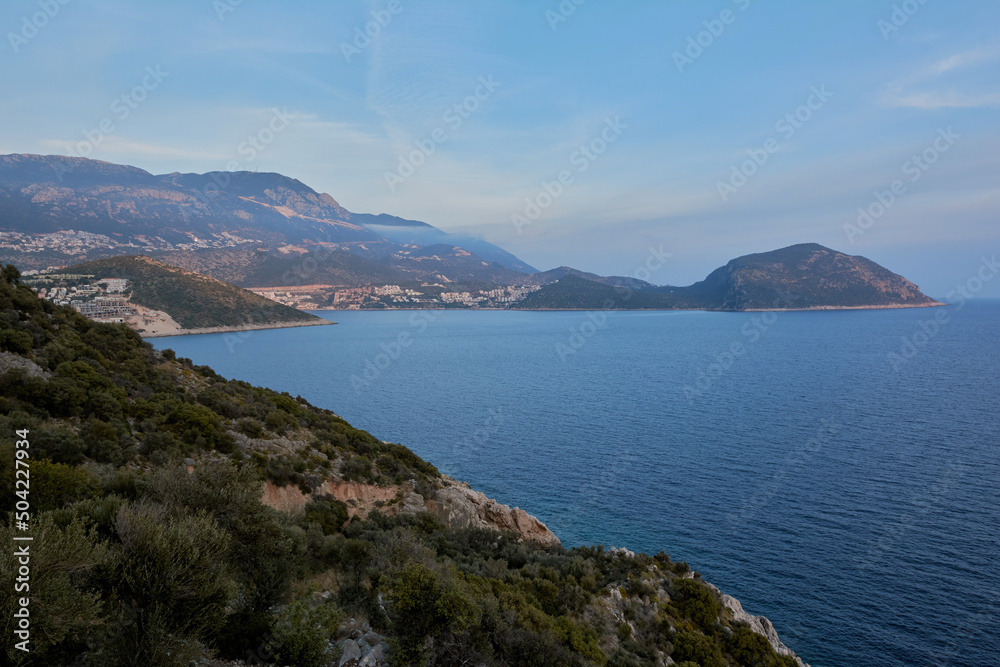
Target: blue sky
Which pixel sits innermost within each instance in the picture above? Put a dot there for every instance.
(890, 87)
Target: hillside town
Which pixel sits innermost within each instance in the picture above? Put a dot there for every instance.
(377, 297)
(102, 300)
(79, 243)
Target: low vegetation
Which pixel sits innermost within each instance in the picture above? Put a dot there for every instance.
(152, 546)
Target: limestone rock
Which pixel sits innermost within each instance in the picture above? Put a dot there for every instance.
(350, 654)
(758, 624)
(459, 506)
(9, 360)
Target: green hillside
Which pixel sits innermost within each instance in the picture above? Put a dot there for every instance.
(194, 301)
(151, 545)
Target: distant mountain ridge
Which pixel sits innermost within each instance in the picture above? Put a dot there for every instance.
(268, 230)
(803, 276)
(160, 214)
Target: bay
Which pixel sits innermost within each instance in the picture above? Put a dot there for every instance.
(848, 494)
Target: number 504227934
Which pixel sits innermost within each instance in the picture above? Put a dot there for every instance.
(22, 477)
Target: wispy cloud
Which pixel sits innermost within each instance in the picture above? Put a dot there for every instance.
(923, 89)
(944, 100)
(960, 60)
(112, 145)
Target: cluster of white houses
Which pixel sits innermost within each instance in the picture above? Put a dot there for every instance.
(106, 308)
(103, 300)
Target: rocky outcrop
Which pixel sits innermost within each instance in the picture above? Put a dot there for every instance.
(759, 624)
(360, 646)
(455, 504)
(9, 360)
(459, 506)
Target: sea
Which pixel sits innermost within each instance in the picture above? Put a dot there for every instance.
(836, 471)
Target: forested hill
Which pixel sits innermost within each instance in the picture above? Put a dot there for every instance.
(803, 276)
(152, 546)
(193, 301)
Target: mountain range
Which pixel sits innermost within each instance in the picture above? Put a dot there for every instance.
(202, 220)
(265, 229)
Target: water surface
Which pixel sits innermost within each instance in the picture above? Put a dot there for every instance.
(848, 494)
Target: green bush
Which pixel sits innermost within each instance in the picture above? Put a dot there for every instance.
(301, 633)
(697, 648)
(250, 428)
(424, 605)
(328, 513)
(749, 648)
(172, 568)
(18, 342)
(64, 604)
(696, 601)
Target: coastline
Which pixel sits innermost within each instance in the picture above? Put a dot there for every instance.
(894, 306)
(232, 329)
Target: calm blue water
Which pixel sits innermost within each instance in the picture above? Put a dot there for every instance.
(851, 500)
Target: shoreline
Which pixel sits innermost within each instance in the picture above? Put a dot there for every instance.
(236, 328)
(895, 306)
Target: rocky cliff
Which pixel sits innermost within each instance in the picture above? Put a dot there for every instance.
(456, 505)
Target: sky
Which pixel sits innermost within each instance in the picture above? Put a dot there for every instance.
(582, 132)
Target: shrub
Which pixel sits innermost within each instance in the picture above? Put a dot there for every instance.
(424, 605)
(329, 513)
(250, 428)
(58, 445)
(697, 648)
(62, 610)
(749, 648)
(301, 633)
(696, 601)
(172, 568)
(18, 342)
(102, 441)
(356, 469)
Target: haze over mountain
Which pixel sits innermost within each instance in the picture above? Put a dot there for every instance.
(254, 230)
(226, 212)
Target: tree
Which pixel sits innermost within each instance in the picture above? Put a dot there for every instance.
(697, 648)
(423, 605)
(696, 601)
